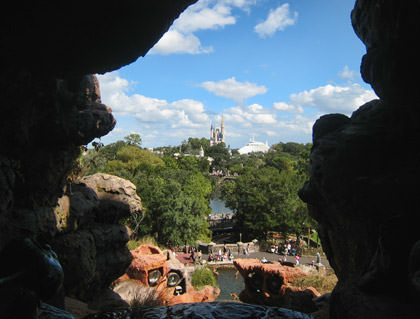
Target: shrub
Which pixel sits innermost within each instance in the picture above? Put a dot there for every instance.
(203, 277)
(146, 240)
(324, 284)
(132, 244)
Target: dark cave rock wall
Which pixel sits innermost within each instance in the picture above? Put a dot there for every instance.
(388, 29)
(41, 137)
(83, 37)
(204, 310)
(364, 171)
(51, 106)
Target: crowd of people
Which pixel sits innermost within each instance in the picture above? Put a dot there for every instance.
(224, 253)
(221, 255)
(287, 250)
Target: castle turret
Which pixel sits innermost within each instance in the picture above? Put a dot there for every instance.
(222, 127)
(217, 134)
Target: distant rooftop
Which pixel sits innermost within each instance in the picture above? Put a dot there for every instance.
(253, 147)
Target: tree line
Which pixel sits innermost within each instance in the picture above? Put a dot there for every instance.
(175, 186)
(265, 193)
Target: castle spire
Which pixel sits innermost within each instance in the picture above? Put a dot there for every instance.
(222, 128)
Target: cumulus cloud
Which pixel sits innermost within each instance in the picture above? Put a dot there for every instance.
(277, 20)
(203, 15)
(348, 74)
(163, 122)
(285, 107)
(254, 114)
(174, 41)
(334, 99)
(180, 114)
(264, 124)
(232, 89)
(205, 18)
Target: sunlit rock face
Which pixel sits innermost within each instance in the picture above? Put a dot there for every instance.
(163, 272)
(91, 241)
(269, 284)
(364, 171)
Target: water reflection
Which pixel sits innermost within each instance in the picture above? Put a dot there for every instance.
(218, 207)
(229, 284)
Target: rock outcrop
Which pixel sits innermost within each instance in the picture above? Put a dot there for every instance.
(91, 243)
(363, 187)
(170, 278)
(269, 284)
(23, 283)
(362, 191)
(51, 103)
(204, 310)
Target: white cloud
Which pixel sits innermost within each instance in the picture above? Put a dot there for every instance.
(174, 41)
(232, 89)
(348, 74)
(333, 99)
(203, 15)
(256, 120)
(298, 124)
(161, 122)
(282, 106)
(205, 19)
(277, 20)
(151, 112)
(252, 115)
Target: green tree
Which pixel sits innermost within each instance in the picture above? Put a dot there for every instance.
(266, 199)
(130, 159)
(220, 155)
(188, 163)
(176, 206)
(133, 139)
(96, 160)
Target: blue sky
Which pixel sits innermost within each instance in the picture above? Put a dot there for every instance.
(270, 67)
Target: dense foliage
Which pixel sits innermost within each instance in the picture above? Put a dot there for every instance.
(265, 193)
(175, 187)
(174, 193)
(203, 277)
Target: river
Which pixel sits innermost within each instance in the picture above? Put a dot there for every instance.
(226, 280)
(218, 206)
(228, 284)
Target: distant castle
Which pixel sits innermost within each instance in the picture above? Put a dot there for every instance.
(217, 134)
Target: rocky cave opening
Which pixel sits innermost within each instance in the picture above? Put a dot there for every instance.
(364, 169)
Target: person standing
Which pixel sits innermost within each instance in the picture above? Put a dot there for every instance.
(297, 259)
(318, 258)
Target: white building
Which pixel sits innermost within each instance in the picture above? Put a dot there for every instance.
(254, 147)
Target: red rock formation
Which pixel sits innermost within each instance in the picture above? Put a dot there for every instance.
(207, 294)
(269, 284)
(148, 259)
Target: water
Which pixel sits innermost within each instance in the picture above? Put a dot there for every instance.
(226, 280)
(228, 284)
(218, 207)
